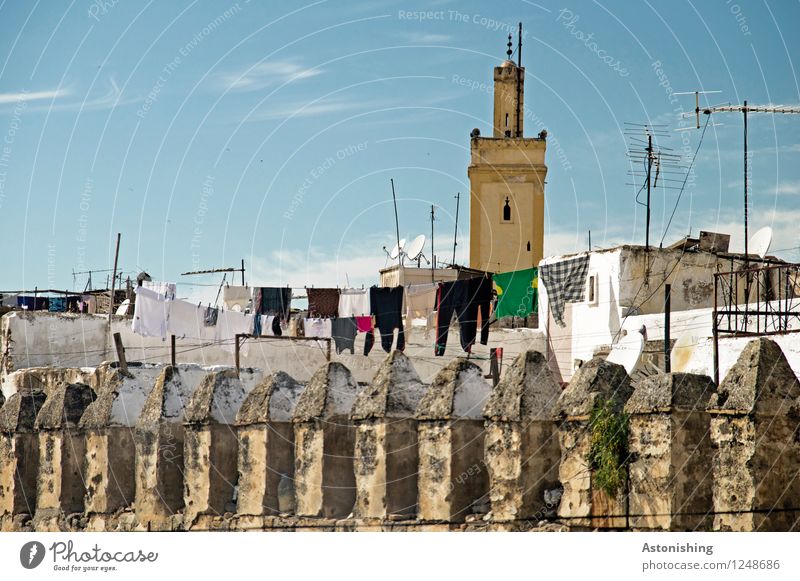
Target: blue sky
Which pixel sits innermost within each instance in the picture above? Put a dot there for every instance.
(208, 132)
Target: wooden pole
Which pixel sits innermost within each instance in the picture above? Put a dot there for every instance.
(172, 349)
(667, 309)
(113, 280)
(236, 353)
(328, 355)
(242, 271)
(123, 364)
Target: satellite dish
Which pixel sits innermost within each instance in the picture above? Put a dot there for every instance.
(760, 242)
(682, 352)
(123, 307)
(415, 247)
(398, 248)
(627, 351)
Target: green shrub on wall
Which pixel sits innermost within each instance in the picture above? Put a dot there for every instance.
(608, 454)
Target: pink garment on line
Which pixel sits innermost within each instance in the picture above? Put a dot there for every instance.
(364, 324)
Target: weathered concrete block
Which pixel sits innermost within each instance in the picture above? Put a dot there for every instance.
(159, 447)
(45, 379)
(62, 448)
(581, 501)
(19, 456)
(670, 486)
(324, 441)
(521, 442)
(210, 447)
(266, 443)
(452, 473)
(754, 430)
(108, 426)
(386, 455)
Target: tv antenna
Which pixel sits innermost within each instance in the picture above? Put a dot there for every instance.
(656, 161)
(455, 235)
(744, 109)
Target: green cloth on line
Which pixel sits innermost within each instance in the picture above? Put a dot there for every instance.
(517, 293)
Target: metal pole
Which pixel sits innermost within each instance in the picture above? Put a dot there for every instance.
(455, 235)
(242, 271)
(397, 226)
(667, 347)
(519, 82)
(172, 349)
(649, 166)
(433, 276)
(715, 333)
(744, 112)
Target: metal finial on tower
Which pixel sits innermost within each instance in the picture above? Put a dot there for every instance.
(509, 52)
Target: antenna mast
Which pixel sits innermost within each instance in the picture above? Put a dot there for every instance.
(519, 81)
(744, 109)
(650, 155)
(455, 235)
(397, 225)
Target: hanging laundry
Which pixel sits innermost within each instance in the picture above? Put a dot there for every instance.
(354, 302)
(236, 298)
(466, 299)
(167, 289)
(151, 313)
(267, 326)
(364, 324)
(57, 304)
(565, 282)
(187, 321)
(420, 304)
(317, 327)
(232, 323)
(33, 303)
(323, 302)
(211, 316)
(344, 331)
(517, 293)
(296, 328)
(272, 301)
(387, 307)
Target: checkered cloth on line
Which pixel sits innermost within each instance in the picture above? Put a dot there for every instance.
(565, 281)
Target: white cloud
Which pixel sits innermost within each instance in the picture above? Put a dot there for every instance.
(6, 98)
(790, 188)
(304, 110)
(264, 74)
(427, 38)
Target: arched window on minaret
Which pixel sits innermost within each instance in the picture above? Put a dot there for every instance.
(507, 211)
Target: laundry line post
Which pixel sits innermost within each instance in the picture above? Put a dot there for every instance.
(123, 364)
(172, 350)
(236, 352)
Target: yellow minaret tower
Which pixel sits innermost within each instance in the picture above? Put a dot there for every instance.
(506, 176)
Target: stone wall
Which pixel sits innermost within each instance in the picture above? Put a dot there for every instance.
(192, 448)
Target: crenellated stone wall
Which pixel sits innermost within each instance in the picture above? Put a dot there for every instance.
(191, 448)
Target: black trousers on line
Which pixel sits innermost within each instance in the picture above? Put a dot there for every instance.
(465, 299)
